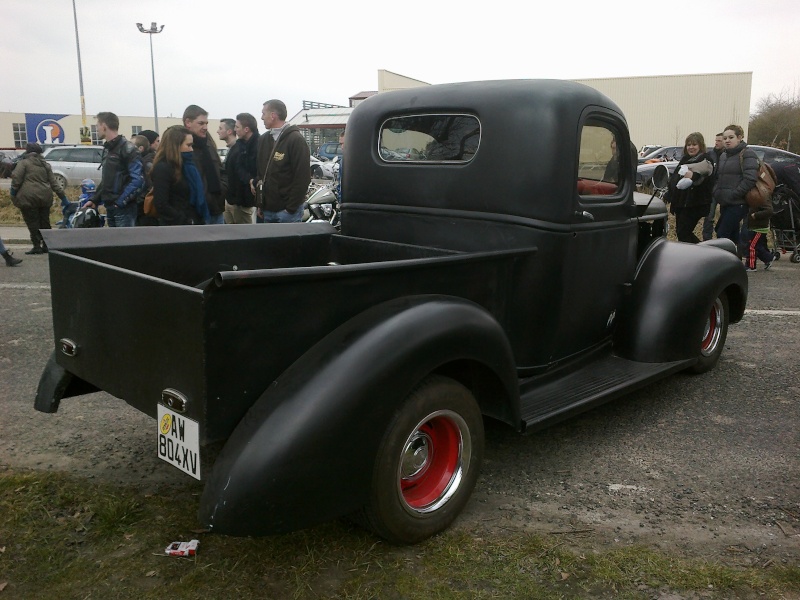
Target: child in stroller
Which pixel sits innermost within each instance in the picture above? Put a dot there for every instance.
(70, 209)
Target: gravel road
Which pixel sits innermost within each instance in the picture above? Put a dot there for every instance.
(706, 465)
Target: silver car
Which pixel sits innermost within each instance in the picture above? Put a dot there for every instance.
(73, 164)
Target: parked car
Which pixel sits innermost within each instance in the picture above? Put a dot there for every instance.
(648, 148)
(663, 154)
(72, 164)
(8, 160)
(329, 149)
(775, 157)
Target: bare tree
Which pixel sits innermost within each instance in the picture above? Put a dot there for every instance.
(777, 116)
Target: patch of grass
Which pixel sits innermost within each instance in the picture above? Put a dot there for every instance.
(10, 214)
(63, 537)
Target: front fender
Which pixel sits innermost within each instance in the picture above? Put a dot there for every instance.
(667, 309)
(304, 453)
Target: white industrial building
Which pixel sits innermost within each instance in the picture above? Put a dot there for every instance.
(660, 110)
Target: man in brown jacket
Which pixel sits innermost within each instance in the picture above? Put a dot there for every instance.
(284, 167)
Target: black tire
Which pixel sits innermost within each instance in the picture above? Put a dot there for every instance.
(714, 335)
(795, 257)
(776, 255)
(427, 463)
(316, 172)
(62, 181)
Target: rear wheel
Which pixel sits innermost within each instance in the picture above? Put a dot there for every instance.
(714, 335)
(795, 257)
(316, 172)
(427, 463)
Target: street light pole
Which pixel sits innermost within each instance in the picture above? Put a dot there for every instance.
(153, 29)
(85, 136)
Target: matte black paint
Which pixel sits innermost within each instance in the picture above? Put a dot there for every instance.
(489, 272)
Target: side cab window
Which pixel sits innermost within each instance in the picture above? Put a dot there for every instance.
(602, 159)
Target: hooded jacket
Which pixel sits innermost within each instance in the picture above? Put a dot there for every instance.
(284, 170)
(734, 177)
(34, 182)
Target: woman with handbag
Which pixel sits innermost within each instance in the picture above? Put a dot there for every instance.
(736, 175)
(690, 187)
(177, 188)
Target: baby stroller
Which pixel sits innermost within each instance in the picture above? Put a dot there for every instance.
(785, 222)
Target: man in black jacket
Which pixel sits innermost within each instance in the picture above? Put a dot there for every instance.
(121, 179)
(284, 167)
(207, 161)
(241, 169)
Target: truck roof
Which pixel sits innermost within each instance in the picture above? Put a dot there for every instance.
(528, 149)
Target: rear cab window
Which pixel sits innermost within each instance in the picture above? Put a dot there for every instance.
(601, 166)
(443, 138)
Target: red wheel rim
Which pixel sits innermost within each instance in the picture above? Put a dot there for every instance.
(713, 329)
(433, 461)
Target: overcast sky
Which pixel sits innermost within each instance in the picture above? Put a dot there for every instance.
(230, 56)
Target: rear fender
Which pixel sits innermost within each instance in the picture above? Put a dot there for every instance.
(304, 453)
(667, 308)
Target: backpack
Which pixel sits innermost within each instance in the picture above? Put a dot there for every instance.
(86, 217)
(761, 194)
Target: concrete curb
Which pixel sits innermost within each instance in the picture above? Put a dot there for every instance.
(15, 235)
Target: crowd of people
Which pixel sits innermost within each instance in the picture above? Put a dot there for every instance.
(705, 179)
(264, 178)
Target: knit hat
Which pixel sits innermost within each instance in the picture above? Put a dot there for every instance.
(151, 135)
(33, 147)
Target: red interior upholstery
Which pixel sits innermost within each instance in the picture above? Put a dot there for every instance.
(588, 187)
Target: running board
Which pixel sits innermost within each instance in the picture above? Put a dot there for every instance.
(594, 384)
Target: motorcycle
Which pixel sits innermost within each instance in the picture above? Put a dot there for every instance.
(322, 206)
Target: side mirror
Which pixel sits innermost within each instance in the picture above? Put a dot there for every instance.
(661, 177)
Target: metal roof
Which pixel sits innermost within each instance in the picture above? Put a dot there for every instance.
(321, 117)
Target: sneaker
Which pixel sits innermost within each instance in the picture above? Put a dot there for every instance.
(768, 265)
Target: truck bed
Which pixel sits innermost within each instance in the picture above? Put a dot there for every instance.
(219, 312)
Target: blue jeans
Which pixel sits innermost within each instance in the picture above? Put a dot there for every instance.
(215, 220)
(283, 216)
(730, 220)
(122, 217)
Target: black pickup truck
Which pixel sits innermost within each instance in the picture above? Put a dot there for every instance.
(505, 269)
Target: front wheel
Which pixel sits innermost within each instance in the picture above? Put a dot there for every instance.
(714, 334)
(795, 257)
(316, 172)
(62, 181)
(427, 463)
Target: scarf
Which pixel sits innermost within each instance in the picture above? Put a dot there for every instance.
(197, 197)
(207, 165)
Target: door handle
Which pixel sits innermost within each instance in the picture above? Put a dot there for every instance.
(582, 214)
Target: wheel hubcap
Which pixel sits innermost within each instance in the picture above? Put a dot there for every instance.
(433, 462)
(713, 329)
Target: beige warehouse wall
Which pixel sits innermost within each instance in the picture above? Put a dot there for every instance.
(665, 109)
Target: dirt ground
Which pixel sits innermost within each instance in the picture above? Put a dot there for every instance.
(702, 465)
